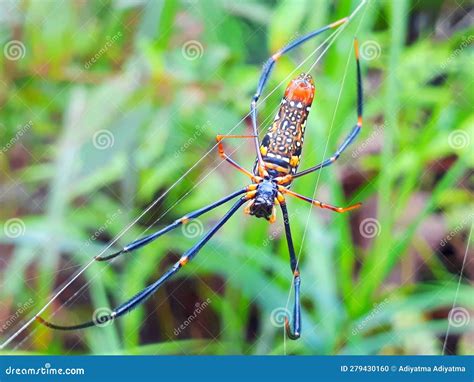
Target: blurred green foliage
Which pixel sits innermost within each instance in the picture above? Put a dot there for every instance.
(118, 104)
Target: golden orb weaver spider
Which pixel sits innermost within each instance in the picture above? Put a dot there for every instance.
(277, 160)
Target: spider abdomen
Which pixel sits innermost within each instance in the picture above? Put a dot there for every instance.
(282, 145)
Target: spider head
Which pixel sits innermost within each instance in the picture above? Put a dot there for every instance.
(262, 204)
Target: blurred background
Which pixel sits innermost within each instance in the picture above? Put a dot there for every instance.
(109, 107)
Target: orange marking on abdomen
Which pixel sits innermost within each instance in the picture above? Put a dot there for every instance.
(283, 143)
(301, 89)
(273, 166)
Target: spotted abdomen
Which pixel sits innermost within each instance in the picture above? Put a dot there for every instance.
(281, 147)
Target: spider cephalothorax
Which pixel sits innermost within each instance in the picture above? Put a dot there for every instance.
(263, 204)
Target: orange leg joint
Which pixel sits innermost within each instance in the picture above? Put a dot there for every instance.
(222, 154)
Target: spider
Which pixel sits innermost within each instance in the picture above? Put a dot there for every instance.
(277, 158)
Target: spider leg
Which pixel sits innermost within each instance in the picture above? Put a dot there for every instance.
(141, 297)
(266, 71)
(352, 135)
(220, 147)
(183, 220)
(295, 332)
(317, 203)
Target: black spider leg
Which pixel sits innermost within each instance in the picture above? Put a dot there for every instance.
(266, 71)
(141, 297)
(294, 333)
(355, 130)
(183, 220)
